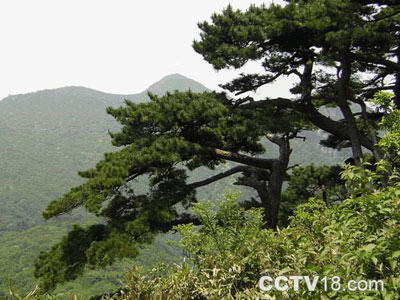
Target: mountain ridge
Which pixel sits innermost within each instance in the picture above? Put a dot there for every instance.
(157, 87)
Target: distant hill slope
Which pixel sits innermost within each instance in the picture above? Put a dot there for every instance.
(47, 136)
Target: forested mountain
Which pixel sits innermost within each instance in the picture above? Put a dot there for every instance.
(46, 137)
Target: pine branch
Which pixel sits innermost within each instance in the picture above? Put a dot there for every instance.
(384, 17)
(263, 163)
(314, 116)
(183, 220)
(219, 176)
(380, 61)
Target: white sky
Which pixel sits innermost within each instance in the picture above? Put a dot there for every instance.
(119, 46)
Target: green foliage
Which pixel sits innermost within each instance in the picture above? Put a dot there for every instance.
(356, 240)
(234, 37)
(384, 102)
(34, 294)
(313, 181)
(323, 182)
(20, 250)
(221, 256)
(390, 122)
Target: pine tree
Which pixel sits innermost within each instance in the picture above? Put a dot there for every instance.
(164, 139)
(341, 52)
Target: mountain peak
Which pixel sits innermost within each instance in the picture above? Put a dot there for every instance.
(178, 82)
(174, 76)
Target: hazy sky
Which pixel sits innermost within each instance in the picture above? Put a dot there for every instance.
(119, 46)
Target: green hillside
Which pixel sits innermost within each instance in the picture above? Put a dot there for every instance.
(48, 136)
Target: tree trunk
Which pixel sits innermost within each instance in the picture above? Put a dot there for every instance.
(274, 191)
(396, 89)
(376, 151)
(278, 175)
(343, 96)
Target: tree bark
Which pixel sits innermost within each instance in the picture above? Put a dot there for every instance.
(396, 89)
(343, 96)
(377, 152)
(264, 163)
(278, 175)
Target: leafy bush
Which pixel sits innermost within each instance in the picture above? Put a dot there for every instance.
(358, 239)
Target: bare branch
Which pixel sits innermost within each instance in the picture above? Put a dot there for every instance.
(377, 89)
(182, 220)
(219, 176)
(250, 182)
(263, 163)
(380, 61)
(269, 80)
(384, 17)
(292, 167)
(300, 137)
(135, 173)
(253, 88)
(274, 138)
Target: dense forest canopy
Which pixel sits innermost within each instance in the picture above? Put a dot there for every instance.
(341, 53)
